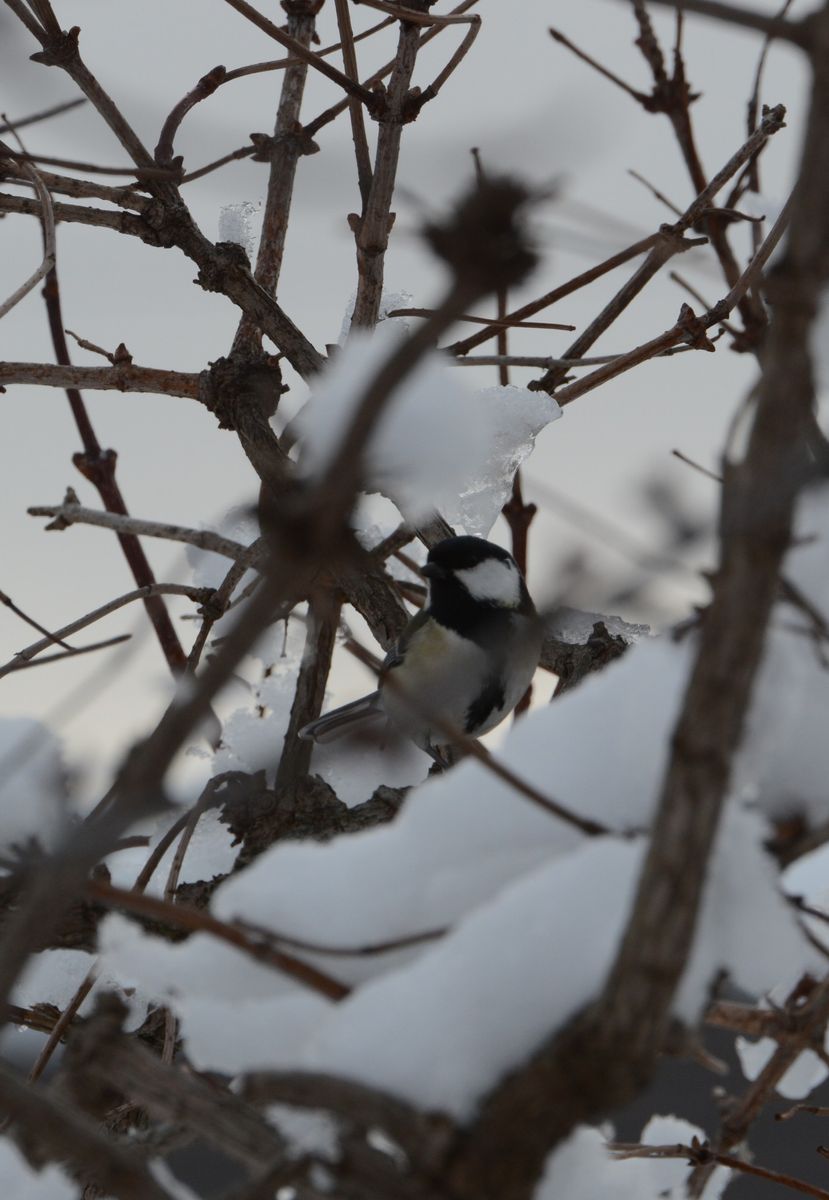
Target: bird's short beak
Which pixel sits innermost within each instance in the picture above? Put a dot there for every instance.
(434, 571)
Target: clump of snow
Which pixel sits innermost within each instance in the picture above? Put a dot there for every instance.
(437, 445)
(456, 1047)
(33, 802)
(19, 1181)
(745, 927)
(235, 1012)
(373, 518)
(449, 1059)
(53, 977)
(307, 1131)
(805, 1074)
(252, 735)
(582, 1168)
(236, 224)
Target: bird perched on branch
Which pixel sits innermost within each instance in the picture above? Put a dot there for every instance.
(463, 662)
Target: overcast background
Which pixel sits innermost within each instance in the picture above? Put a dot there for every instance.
(533, 109)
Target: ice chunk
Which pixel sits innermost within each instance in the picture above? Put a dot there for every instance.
(236, 224)
(389, 301)
(513, 417)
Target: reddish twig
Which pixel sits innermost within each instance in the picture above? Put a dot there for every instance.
(196, 920)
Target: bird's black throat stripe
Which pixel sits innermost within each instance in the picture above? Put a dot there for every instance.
(491, 699)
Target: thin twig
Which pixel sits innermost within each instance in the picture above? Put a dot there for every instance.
(563, 40)
(45, 114)
(330, 114)
(205, 87)
(303, 53)
(355, 109)
(88, 168)
(518, 317)
(72, 652)
(52, 639)
(201, 595)
(281, 63)
(47, 217)
(72, 513)
(504, 322)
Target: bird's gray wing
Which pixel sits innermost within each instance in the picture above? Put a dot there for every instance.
(340, 720)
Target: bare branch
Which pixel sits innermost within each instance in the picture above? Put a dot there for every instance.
(72, 513)
(126, 377)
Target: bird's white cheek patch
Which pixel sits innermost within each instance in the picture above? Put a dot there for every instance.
(495, 580)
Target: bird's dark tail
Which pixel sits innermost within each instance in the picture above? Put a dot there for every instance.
(339, 721)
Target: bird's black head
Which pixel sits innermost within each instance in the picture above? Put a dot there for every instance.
(474, 586)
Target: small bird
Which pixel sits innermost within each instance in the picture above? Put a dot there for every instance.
(465, 660)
